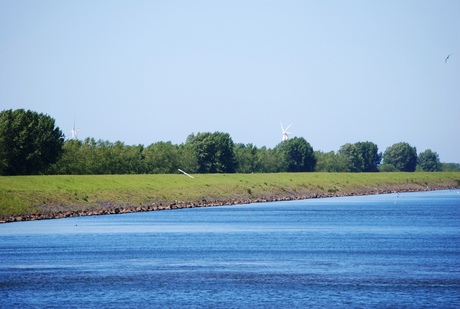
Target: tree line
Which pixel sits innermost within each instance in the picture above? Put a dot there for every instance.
(202, 153)
(30, 143)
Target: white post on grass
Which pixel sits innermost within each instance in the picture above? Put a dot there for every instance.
(185, 173)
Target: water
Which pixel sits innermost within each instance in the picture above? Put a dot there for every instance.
(397, 250)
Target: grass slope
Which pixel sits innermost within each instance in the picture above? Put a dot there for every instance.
(39, 194)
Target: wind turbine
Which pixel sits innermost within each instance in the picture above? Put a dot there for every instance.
(286, 133)
(74, 131)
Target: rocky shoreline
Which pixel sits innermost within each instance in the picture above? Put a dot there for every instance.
(108, 208)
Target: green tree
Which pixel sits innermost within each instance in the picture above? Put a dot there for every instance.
(162, 158)
(29, 142)
(126, 159)
(71, 161)
(297, 155)
(369, 156)
(187, 158)
(246, 158)
(267, 161)
(429, 161)
(214, 152)
(450, 167)
(90, 156)
(329, 162)
(101, 157)
(360, 157)
(402, 156)
(351, 157)
(387, 168)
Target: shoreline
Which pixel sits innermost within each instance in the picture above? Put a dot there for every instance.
(110, 207)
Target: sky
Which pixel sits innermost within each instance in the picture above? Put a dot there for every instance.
(142, 72)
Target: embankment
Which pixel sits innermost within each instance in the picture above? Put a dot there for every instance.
(50, 197)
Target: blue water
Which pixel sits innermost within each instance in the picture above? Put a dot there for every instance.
(384, 251)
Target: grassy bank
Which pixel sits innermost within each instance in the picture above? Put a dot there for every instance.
(22, 195)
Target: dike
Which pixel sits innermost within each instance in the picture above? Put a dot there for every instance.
(111, 208)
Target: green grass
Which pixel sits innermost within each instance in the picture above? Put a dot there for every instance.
(35, 194)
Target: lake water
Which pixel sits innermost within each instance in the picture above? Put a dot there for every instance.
(395, 250)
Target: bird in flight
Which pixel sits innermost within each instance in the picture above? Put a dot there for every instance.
(448, 56)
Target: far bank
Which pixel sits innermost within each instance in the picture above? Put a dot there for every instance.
(45, 197)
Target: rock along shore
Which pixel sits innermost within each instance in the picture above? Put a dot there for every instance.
(107, 208)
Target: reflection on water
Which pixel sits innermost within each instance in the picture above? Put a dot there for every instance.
(374, 251)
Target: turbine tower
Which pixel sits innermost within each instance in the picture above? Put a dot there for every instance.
(286, 133)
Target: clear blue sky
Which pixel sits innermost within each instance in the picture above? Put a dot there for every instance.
(148, 71)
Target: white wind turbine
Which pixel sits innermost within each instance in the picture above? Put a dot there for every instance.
(286, 133)
(74, 131)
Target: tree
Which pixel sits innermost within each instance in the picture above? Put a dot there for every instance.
(162, 158)
(127, 159)
(429, 161)
(387, 168)
(352, 158)
(329, 162)
(361, 157)
(369, 155)
(214, 152)
(402, 156)
(71, 161)
(297, 155)
(246, 157)
(101, 157)
(450, 167)
(29, 142)
(267, 161)
(187, 158)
